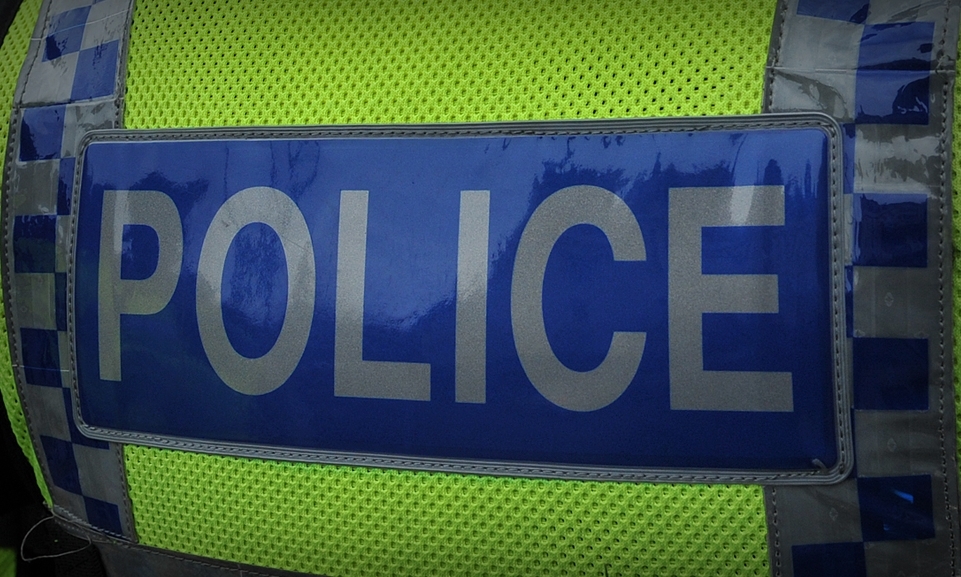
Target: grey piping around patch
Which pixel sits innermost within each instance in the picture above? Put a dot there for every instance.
(818, 474)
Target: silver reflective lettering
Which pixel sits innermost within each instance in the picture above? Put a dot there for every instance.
(353, 376)
(117, 296)
(275, 209)
(692, 293)
(573, 390)
(470, 341)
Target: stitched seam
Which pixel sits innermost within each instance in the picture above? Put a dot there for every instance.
(942, 226)
(837, 263)
(777, 534)
(446, 467)
(120, 85)
(427, 130)
(126, 505)
(120, 88)
(779, 19)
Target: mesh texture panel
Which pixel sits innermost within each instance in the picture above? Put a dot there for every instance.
(354, 521)
(223, 63)
(217, 63)
(13, 52)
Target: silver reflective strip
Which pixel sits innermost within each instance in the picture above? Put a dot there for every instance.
(353, 376)
(842, 64)
(66, 89)
(470, 340)
(693, 294)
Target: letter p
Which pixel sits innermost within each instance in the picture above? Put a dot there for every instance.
(118, 296)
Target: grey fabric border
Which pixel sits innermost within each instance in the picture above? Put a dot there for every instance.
(818, 474)
(122, 558)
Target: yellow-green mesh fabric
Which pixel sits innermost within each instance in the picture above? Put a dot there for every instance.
(227, 63)
(353, 521)
(212, 63)
(12, 54)
(8, 563)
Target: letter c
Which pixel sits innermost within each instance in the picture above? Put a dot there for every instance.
(573, 390)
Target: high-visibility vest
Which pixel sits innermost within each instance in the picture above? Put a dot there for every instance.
(883, 69)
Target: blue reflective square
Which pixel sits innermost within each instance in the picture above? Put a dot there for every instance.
(891, 230)
(65, 33)
(35, 243)
(96, 72)
(103, 515)
(62, 43)
(76, 436)
(829, 560)
(891, 374)
(901, 46)
(41, 357)
(62, 463)
(855, 11)
(42, 377)
(896, 508)
(892, 96)
(41, 132)
(65, 185)
(893, 83)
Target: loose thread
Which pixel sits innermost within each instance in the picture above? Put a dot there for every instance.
(23, 544)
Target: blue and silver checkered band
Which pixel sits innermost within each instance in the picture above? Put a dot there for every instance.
(885, 71)
(72, 82)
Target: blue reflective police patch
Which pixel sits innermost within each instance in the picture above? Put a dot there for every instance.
(618, 300)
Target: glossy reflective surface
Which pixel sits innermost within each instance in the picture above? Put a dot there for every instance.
(393, 227)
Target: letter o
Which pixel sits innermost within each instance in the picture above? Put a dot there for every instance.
(272, 207)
